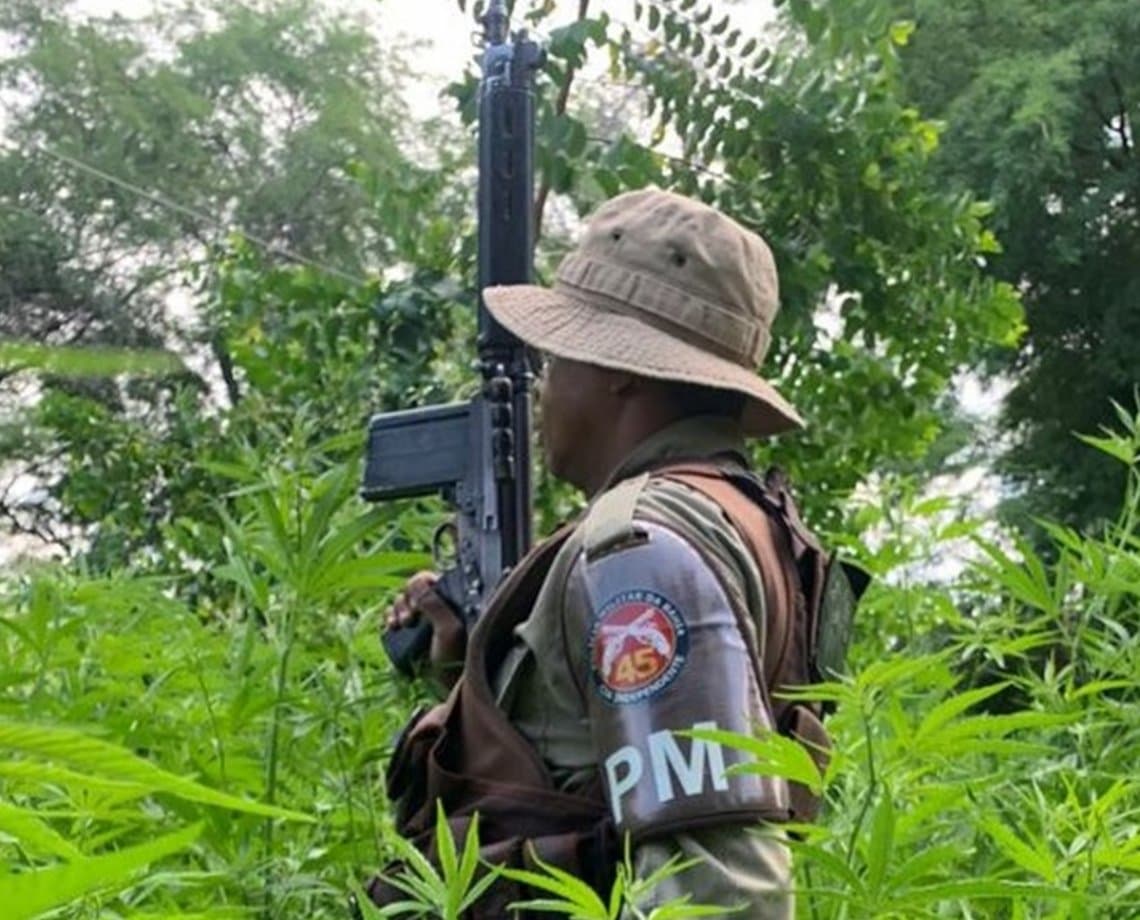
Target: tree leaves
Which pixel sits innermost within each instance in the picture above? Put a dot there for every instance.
(1030, 98)
(816, 148)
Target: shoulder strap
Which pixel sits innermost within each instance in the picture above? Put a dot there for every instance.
(509, 604)
(608, 522)
(769, 546)
(788, 556)
(467, 754)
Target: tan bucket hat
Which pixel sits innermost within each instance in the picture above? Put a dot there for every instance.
(664, 287)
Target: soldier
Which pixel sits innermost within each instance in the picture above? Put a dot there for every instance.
(673, 602)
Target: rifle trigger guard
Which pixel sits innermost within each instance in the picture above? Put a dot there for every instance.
(442, 555)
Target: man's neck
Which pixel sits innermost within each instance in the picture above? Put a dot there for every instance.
(627, 436)
(674, 439)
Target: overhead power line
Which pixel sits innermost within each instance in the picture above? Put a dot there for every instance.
(201, 217)
(273, 248)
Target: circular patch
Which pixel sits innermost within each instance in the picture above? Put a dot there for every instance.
(638, 644)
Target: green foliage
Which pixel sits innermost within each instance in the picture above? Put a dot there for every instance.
(258, 707)
(984, 758)
(82, 362)
(98, 758)
(801, 134)
(247, 114)
(30, 894)
(804, 135)
(982, 762)
(204, 673)
(138, 151)
(444, 892)
(304, 357)
(770, 754)
(568, 896)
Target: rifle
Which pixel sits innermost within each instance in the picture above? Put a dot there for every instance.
(477, 454)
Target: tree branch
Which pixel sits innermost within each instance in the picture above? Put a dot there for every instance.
(226, 364)
(559, 109)
(1107, 123)
(1122, 109)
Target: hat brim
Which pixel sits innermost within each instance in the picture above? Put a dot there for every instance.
(557, 322)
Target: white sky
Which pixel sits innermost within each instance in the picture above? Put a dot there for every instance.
(448, 34)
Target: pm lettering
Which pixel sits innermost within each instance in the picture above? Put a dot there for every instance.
(670, 768)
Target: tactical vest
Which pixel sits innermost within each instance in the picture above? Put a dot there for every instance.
(465, 755)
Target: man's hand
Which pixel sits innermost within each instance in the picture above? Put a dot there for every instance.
(448, 637)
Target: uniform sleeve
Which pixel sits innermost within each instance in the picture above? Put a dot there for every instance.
(662, 652)
(750, 870)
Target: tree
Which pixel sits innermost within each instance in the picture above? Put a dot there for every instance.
(1040, 103)
(134, 148)
(802, 134)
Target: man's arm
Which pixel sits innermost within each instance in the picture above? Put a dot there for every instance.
(419, 602)
(751, 868)
(663, 652)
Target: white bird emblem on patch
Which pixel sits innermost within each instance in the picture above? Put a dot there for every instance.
(644, 630)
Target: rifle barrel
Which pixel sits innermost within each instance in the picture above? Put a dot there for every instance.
(496, 22)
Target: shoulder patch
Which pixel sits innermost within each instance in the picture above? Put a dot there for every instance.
(638, 644)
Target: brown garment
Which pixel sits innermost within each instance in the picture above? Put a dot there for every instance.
(467, 755)
(781, 544)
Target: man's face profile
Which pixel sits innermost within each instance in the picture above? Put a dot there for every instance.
(572, 399)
